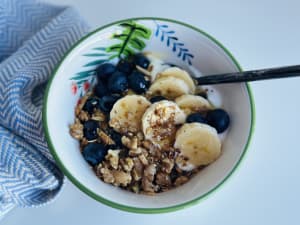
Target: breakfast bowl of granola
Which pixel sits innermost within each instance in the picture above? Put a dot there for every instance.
(128, 124)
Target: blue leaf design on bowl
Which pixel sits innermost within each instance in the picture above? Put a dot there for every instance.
(164, 32)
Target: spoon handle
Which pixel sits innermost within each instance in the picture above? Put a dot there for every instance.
(253, 75)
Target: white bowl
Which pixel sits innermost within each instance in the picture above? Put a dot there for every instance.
(178, 43)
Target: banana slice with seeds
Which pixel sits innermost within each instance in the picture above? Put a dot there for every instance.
(160, 120)
(127, 113)
(180, 74)
(199, 145)
(169, 87)
(193, 103)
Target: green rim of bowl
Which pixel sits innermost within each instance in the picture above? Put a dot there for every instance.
(125, 207)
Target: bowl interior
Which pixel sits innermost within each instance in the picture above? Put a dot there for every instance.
(177, 43)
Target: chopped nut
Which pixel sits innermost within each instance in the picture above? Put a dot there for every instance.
(113, 157)
(167, 165)
(157, 153)
(126, 141)
(83, 116)
(107, 175)
(148, 178)
(135, 152)
(145, 152)
(117, 126)
(143, 160)
(130, 143)
(98, 170)
(127, 164)
(105, 138)
(104, 164)
(121, 178)
(144, 71)
(134, 143)
(163, 179)
(138, 169)
(150, 171)
(136, 175)
(82, 101)
(98, 116)
(180, 180)
(147, 144)
(153, 149)
(76, 130)
(147, 185)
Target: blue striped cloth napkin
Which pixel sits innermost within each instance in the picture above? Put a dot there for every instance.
(33, 38)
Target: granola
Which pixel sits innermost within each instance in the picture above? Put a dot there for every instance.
(145, 146)
(140, 165)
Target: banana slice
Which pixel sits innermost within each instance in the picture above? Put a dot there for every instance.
(160, 120)
(127, 113)
(193, 103)
(181, 74)
(169, 87)
(199, 145)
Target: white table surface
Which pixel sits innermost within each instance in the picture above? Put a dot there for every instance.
(266, 188)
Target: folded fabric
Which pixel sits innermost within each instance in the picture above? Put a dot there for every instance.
(33, 38)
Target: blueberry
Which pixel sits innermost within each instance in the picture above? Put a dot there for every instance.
(157, 98)
(117, 82)
(137, 82)
(101, 89)
(196, 118)
(116, 137)
(90, 129)
(94, 153)
(91, 104)
(218, 119)
(107, 102)
(105, 70)
(141, 60)
(125, 66)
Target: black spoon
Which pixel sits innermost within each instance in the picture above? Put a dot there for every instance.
(252, 75)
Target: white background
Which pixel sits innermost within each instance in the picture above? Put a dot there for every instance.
(266, 188)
